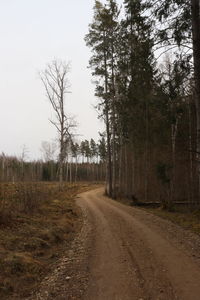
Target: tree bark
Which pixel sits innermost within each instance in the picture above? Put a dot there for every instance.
(191, 179)
(146, 176)
(120, 166)
(109, 158)
(113, 129)
(196, 53)
(174, 130)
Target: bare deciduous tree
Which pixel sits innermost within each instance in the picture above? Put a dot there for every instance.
(56, 83)
(48, 150)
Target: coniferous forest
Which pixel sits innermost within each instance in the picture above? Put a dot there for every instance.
(146, 62)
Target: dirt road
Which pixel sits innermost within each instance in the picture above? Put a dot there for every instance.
(125, 253)
(132, 256)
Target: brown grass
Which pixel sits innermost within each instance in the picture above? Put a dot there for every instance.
(31, 240)
(185, 216)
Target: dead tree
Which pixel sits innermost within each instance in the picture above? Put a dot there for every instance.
(56, 83)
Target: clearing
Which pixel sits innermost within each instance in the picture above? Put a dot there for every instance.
(38, 221)
(125, 253)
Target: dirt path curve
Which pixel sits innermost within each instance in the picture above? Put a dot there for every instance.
(137, 256)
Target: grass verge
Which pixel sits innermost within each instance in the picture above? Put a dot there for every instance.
(30, 243)
(184, 216)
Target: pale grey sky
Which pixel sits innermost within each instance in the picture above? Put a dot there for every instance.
(33, 33)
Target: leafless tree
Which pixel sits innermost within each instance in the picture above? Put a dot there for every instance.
(48, 150)
(56, 83)
(23, 158)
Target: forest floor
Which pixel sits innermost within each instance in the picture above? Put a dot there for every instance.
(125, 253)
(183, 215)
(32, 243)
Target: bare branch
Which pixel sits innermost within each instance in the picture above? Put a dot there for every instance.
(56, 84)
(55, 124)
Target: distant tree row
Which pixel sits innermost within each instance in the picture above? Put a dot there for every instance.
(83, 161)
(146, 61)
(84, 151)
(56, 84)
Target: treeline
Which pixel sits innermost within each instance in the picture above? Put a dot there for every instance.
(84, 161)
(146, 59)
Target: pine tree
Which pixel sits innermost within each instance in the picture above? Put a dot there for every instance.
(181, 19)
(135, 77)
(102, 38)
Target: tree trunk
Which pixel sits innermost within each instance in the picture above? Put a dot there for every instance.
(61, 157)
(120, 167)
(70, 171)
(67, 171)
(146, 176)
(196, 53)
(109, 158)
(126, 162)
(76, 171)
(174, 129)
(133, 173)
(191, 181)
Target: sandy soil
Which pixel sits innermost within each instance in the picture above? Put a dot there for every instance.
(125, 253)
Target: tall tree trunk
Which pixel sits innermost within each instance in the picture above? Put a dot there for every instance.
(67, 170)
(109, 158)
(133, 173)
(113, 129)
(70, 171)
(76, 171)
(126, 169)
(114, 165)
(191, 181)
(120, 166)
(196, 51)
(146, 176)
(61, 158)
(174, 129)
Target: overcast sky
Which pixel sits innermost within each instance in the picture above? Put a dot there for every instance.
(33, 33)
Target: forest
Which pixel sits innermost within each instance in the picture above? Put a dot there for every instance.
(146, 65)
(146, 62)
(115, 215)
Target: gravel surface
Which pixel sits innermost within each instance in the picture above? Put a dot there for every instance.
(125, 253)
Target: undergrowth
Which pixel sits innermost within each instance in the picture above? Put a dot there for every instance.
(32, 240)
(185, 216)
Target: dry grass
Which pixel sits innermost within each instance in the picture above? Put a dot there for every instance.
(184, 216)
(25, 196)
(31, 240)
